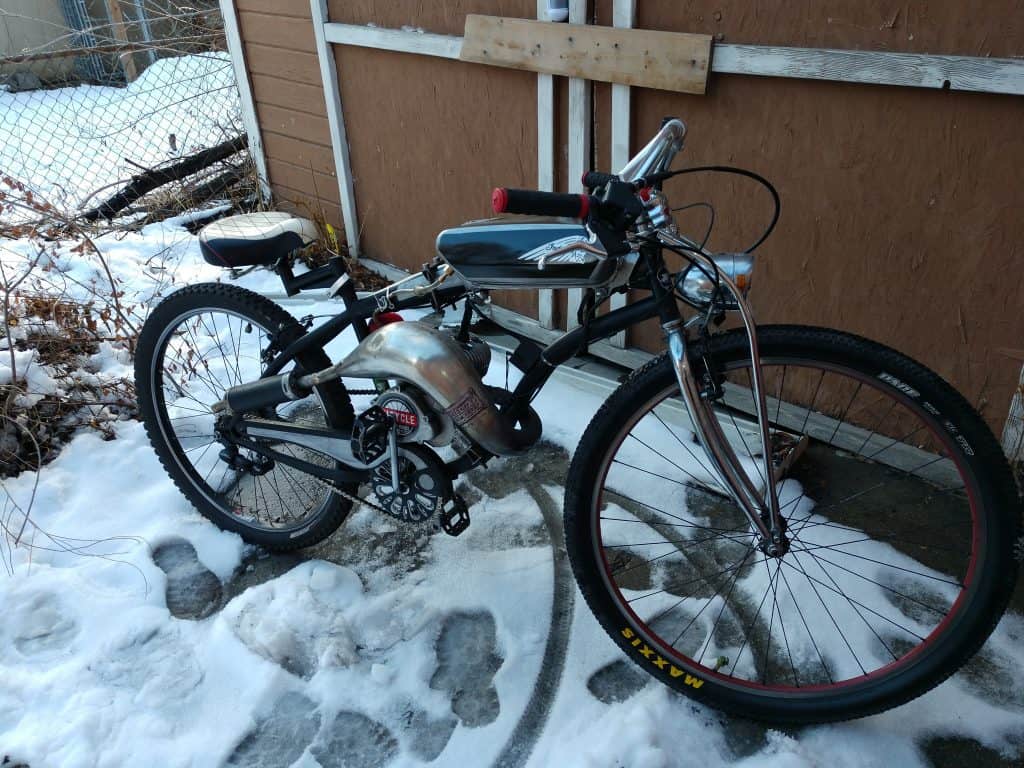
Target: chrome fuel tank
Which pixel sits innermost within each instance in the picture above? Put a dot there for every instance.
(526, 252)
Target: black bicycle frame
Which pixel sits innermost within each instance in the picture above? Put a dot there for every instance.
(357, 311)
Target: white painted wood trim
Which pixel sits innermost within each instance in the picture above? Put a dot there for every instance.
(623, 15)
(248, 106)
(963, 73)
(545, 162)
(336, 121)
(579, 144)
(958, 73)
(1013, 431)
(403, 41)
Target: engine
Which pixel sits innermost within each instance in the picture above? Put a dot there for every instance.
(418, 418)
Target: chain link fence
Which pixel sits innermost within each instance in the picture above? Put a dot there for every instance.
(96, 94)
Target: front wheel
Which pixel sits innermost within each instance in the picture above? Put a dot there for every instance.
(900, 512)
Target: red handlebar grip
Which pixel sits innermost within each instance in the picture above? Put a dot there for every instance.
(499, 199)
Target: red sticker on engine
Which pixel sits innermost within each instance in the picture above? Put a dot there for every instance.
(405, 418)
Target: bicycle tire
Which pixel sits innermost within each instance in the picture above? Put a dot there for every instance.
(331, 398)
(989, 488)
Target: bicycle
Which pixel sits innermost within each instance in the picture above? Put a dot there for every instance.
(788, 523)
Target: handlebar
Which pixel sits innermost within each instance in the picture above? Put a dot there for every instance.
(529, 201)
(595, 179)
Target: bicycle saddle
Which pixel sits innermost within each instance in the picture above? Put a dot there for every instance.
(250, 239)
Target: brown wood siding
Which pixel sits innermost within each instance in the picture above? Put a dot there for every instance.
(430, 139)
(288, 65)
(446, 17)
(948, 26)
(298, 125)
(280, 51)
(304, 154)
(288, 94)
(900, 214)
(901, 206)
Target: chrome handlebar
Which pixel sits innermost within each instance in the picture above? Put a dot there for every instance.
(657, 156)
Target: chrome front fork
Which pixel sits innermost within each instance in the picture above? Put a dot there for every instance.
(761, 510)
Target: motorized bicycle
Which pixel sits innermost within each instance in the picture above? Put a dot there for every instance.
(789, 523)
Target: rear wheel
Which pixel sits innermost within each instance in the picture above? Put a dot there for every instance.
(901, 512)
(196, 344)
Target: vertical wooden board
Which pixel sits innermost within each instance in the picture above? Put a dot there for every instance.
(898, 222)
(995, 29)
(430, 139)
(445, 17)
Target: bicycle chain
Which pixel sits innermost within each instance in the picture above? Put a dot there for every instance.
(350, 496)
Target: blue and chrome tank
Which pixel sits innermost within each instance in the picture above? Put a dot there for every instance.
(526, 252)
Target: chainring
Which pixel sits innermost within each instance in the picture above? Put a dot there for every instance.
(423, 485)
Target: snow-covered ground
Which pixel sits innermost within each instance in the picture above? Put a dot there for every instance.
(411, 649)
(69, 143)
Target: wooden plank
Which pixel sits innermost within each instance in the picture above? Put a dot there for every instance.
(289, 65)
(671, 61)
(336, 122)
(296, 124)
(290, 95)
(958, 73)
(425, 43)
(278, 31)
(968, 73)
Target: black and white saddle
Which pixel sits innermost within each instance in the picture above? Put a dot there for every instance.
(254, 239)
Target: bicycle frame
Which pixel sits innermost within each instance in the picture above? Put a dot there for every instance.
(762, 511)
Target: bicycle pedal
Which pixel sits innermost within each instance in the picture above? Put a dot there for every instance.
(454, 516)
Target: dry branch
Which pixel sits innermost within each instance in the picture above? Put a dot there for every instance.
(144, 183)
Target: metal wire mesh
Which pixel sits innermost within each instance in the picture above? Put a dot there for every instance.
(94, 92)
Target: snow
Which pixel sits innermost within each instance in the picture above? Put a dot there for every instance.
(192, 97)
(428, 657)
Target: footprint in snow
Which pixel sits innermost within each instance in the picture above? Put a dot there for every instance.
(617, 681)
(44, 625)
(352, 739)
(193, 591)
(279, 737)
(294, 725)
(467, 660)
